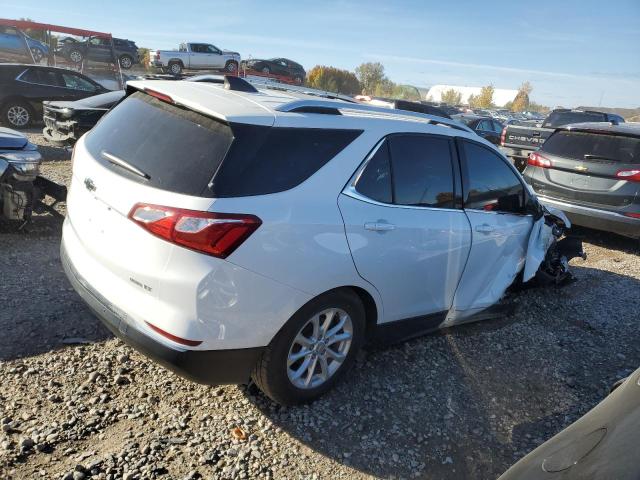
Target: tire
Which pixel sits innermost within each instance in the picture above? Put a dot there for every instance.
(37, 53)
(265, 70)
(76, 56)
(298, 80)
(231, 66)
(17, 114)
(175, 68)
(126, 62)
(275, 371)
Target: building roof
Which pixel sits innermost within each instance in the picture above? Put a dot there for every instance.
(500, 95)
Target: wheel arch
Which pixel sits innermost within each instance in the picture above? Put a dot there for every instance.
(371, 309)
(175, 60)
(18, 98)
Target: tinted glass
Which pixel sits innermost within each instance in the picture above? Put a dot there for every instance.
(41, 77)
(179, 149)
(77, 83)
(375, 180)
(266, 160)
(422, 171)
(485, 125)
(559, 119)
(492, 185)
(583, 146)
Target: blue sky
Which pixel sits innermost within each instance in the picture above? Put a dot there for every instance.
(573, 52)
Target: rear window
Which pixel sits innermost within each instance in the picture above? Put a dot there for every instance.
(178, 149)
(583, 145)
(559, 119)
(185, 152)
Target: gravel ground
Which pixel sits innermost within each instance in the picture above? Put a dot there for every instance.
(464, 403)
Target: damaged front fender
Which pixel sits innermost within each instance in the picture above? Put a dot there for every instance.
(548, 257)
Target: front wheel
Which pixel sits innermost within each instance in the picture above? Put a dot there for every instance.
(231, 67)
(17, 114)
(313, 350)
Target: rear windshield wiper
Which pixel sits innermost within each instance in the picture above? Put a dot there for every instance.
(588, 156)
(121, 163)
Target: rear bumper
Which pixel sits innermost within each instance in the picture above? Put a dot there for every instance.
(211, 367)
(595, 218)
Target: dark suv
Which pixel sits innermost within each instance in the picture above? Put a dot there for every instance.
(99, 50)
(282, 67)
(591, 171)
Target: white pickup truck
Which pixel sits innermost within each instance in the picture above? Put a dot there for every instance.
(195, 56)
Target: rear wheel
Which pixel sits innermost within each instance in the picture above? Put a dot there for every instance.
(266, 70)
(17, 114)
(175, 68)
(313, 350)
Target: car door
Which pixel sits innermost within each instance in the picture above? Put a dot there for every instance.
(213, 57)
(407, 236)
(99, 50)
(494, 202)
(38, 84)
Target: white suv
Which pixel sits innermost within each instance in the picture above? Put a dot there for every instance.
(233, 233)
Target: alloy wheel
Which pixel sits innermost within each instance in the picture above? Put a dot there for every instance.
(75, 56)
(125, 62)
(231, 67)
(175, 68)
(320, 348)
(37, 54)
(18, 116)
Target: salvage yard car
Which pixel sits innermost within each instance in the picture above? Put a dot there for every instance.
(591, 171)
(65, 122)
(281, 243)
(195, 56)
(100, 49)
(518, 141)
(23, 88)
(282, 67)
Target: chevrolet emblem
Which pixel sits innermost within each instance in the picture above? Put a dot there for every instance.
(581, 168)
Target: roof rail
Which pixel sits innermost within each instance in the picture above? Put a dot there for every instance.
(321, 106)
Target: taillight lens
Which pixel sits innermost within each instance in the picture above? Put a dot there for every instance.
(538, 160)
(629, 175)
(503, 136)
(633, 215)
(216, 234)
(159, 96)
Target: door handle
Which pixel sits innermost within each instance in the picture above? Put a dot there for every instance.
(379, 227)
(484, 228)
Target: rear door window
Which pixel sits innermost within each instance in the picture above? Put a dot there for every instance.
(491, 185)
(178, 149)
(422, 170)
(586, 145)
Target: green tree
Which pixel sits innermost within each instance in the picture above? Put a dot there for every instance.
(333, 80)
(451, 97)
(373, 79)
(484, 99)
(521, 102)
(405, 92)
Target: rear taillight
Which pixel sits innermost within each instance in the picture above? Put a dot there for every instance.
(216, 234)
(629, 175)
(538, 160)
(632, 215)
(503, 136)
